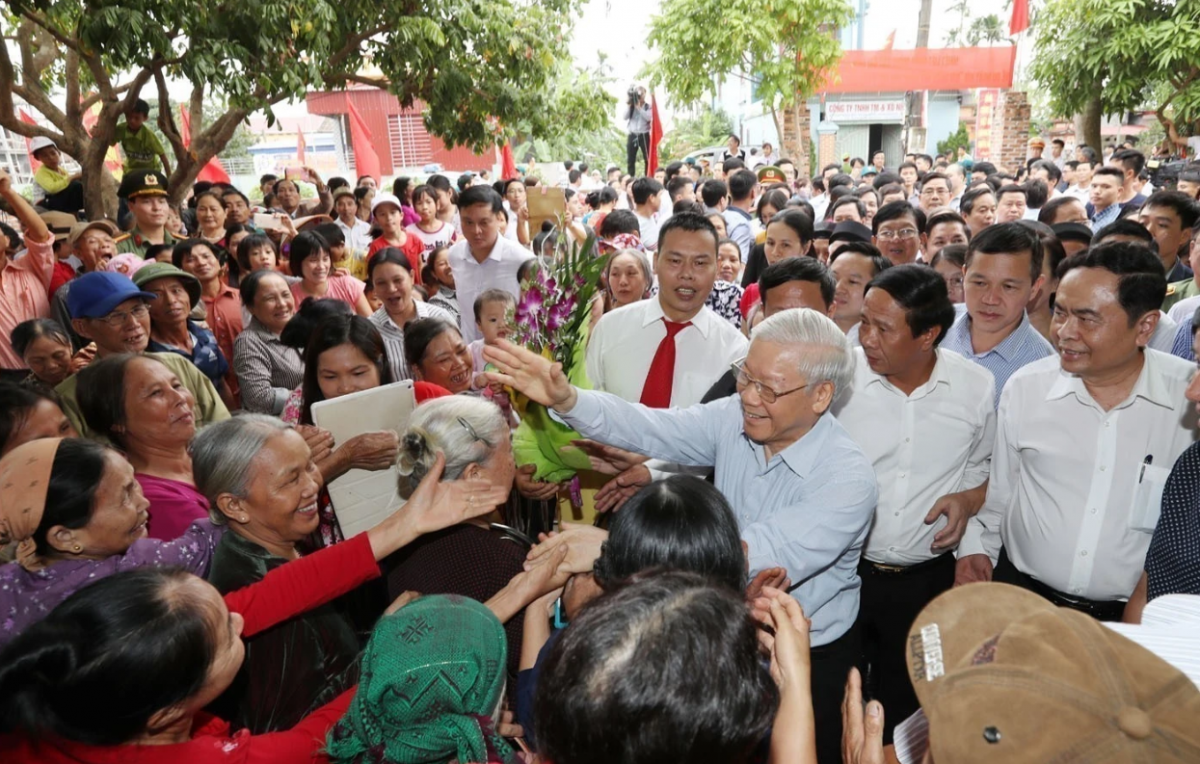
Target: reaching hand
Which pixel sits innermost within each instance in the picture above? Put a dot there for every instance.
(373, 450)
(320, 442)
(539, 378)
(83, 357)
(862, 732)
(974, 568)
(613, 494)
(5, 185)
(543, 575)
(774, 578)
(606, 459)
(583, 544)
(436, 505)
(530, 488)
(791, 661)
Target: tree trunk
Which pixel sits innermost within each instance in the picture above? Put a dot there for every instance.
(799, 114)
(1089, 124)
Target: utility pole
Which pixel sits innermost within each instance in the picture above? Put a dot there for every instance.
(914, 134)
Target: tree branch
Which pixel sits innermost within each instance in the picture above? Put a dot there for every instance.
(63, 39)
(74, 111)
(166, 117)
(352, 44)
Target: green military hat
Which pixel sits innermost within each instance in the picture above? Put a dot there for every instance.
(142, 183)
(771, 174)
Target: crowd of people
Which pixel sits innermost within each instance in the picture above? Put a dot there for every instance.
(872, 452)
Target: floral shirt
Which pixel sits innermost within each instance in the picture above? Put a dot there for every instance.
(724, 299)
(447, 299)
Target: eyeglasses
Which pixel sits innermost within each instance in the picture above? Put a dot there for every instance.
(767, 394)
(117, 320)
(904, 233)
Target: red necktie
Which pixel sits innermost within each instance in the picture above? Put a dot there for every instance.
(657, 391)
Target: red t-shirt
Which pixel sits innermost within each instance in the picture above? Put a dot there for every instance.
(63, 272)
(412, 249)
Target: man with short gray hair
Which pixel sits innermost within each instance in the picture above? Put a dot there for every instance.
(802, 490)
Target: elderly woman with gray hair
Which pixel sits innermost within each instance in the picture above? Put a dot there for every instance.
(261, 481)
(468, 559)
(802, 490)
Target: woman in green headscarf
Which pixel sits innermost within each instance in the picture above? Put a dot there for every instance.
(430, 687)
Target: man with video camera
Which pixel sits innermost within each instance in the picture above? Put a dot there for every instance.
(637, 121)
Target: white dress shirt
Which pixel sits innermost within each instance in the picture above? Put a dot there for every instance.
(358, 236)
(624, 342)
(622, 348)
(1164, 333)
(1066, 475)
(473, 278)
(923, 446)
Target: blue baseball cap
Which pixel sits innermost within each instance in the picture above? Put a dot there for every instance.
(96, 294)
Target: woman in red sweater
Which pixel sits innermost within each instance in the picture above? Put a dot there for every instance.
(122, 670)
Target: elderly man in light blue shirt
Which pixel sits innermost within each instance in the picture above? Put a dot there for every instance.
(803, 492)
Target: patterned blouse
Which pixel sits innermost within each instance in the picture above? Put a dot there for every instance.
(447, 300)
(267, 369)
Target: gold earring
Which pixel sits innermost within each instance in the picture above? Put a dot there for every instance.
(77, 549)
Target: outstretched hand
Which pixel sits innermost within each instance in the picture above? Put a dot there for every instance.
(435, 505)
(525, 371)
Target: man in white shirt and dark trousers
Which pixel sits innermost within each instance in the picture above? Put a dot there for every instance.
(1084, 442)
(484, 259)
(647, 204)
(668, 350)
(925, 419)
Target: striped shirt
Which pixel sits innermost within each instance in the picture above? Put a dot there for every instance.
(1105, 216)
(1023, 346)
(1182, 346)
(393, 336)
(267, 369)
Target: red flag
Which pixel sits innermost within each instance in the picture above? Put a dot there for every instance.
(1020, 17)
(301, 146)
(508, 165)
(656, 134)
(33, 163)
(366, 161)
(214, 171)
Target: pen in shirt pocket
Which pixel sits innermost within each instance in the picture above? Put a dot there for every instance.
(1146, 463)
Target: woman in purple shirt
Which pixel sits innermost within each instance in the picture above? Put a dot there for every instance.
(87, 521)
(143, 408)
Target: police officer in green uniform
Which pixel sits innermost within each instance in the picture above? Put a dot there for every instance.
(146, 191)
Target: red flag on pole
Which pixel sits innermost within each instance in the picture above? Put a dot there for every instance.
(33, 163)
(366, 161)
(301, 147)
(508, 165)
(656, 134)
(214, 171)
(1020, 17)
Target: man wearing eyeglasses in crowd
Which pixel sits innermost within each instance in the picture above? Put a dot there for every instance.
(899, 230)
(803, 492)
(108, 309)
(935, 192)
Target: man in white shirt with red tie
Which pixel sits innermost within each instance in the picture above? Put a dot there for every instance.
(668, 350)
(1084, 442)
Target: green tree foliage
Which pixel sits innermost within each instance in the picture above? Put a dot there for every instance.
(1126, 53)
(585, 131)
(707, 127)
(786, 46)
(949, 147)
(479, 66)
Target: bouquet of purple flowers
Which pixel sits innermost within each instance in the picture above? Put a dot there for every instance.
(552, 318)
(555, 308)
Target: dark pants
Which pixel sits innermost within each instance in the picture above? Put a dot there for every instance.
(69, 200)
(634, 142)
(1007, 573)
(891, 601)
(831, 665)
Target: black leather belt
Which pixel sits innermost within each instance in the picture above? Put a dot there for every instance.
(879, 568)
